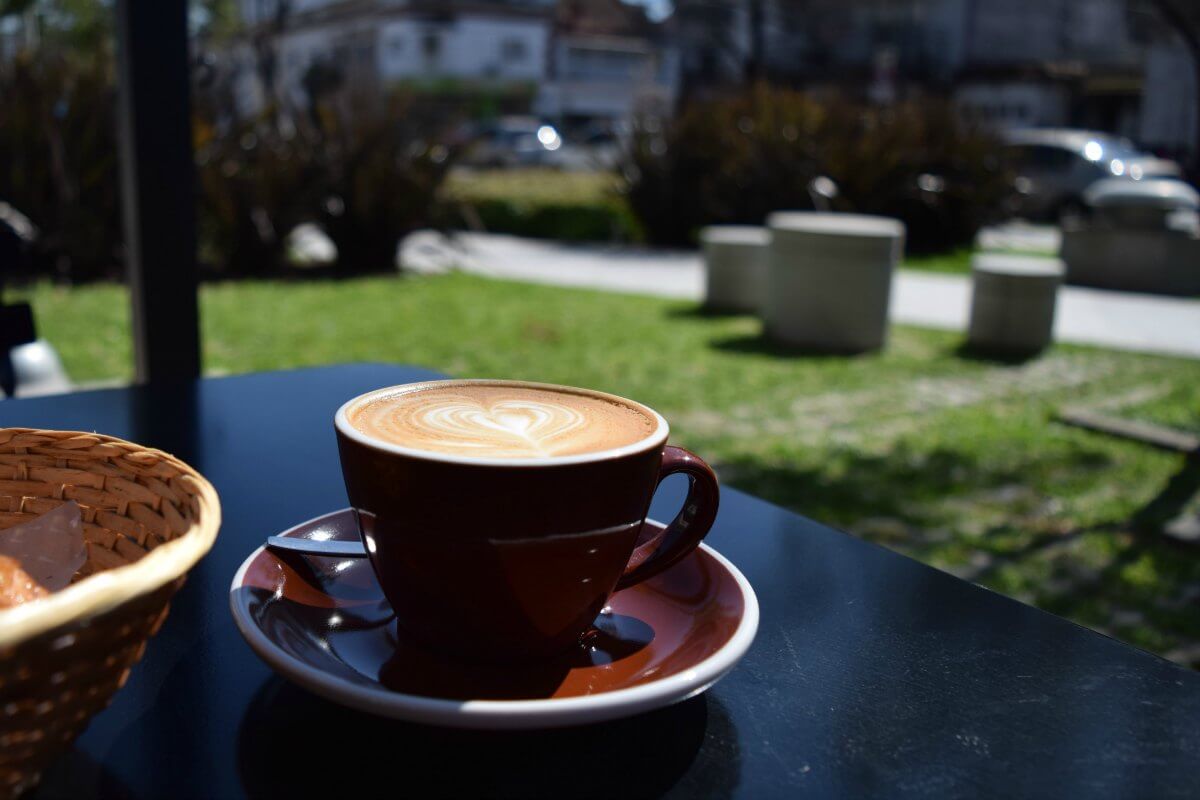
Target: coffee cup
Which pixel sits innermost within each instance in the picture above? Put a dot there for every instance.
(499, 516)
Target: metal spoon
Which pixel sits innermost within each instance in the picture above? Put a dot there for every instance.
(332, 548)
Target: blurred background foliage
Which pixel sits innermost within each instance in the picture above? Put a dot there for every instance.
(58, 162)
(736, 159)
(369, 172)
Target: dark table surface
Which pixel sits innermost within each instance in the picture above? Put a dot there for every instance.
(872, 675)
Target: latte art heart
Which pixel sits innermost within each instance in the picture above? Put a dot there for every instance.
(501, 421)
(518, 425)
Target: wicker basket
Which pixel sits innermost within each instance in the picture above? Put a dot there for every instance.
(147, 518)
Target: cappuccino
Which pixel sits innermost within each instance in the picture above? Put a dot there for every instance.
(500, 420)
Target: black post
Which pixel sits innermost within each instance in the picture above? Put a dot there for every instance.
(158, 186)
(756, 61)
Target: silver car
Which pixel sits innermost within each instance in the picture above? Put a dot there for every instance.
(512, 142)
(1056, 165)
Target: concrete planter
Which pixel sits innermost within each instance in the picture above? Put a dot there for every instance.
(1142, 237)
(1013, 302)
(829, 279)
(1133, 260)
(735, 266)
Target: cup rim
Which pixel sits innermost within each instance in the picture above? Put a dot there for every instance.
(657, 438)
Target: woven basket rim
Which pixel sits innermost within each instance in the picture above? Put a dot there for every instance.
(106, 590)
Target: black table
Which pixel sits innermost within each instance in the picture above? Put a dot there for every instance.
(872, 675)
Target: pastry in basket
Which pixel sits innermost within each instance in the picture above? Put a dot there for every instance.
(16, 585)
(41, 556)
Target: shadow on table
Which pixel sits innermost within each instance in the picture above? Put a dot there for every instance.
(74, 774)
(293, 743)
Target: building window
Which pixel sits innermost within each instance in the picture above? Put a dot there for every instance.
(592, 64)
(431, 45)
(513, 50)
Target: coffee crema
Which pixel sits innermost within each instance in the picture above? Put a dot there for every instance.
(496, 420)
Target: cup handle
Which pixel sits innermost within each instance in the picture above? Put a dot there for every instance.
(690, 524)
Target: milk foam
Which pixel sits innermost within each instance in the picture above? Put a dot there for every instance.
(501, 421)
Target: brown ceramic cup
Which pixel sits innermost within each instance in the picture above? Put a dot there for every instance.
(513, 559)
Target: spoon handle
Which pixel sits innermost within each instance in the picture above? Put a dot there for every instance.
(335, 548)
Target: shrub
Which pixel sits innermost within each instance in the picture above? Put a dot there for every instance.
(922, 163)
(58, 161)
(255, 186)
(378, 171)
(732, 160)
(366, 171)
(736, 159)
(572, 222)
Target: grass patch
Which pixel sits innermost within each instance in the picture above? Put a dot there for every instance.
(953, 461)
(956, 262)
(534, 184)
(543, 203)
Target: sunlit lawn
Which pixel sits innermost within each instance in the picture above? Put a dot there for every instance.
(532, 185)
(955, 262)
(954, 461)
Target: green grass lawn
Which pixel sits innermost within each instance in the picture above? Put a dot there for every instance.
(952, 460)
(532, 185)
(956, 262)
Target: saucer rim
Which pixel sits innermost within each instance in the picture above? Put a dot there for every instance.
(504, 714)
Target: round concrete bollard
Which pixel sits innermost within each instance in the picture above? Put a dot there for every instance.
(829, 279)
(1013, 299)
(735, 262)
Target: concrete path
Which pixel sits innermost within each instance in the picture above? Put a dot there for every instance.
(661, 273)
(1124, 321)
(1120, 320)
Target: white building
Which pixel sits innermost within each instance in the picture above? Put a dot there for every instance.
(1169, 113)
(965, 32)
(1009, 62)
(578, 59)
(716, 40)
(1009, 101)
(487, 43)
(609, 62)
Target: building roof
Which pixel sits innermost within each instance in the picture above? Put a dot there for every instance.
(604, 18)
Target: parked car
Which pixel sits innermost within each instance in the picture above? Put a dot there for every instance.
(1056, 165)
(596, 146)
(512, 141)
